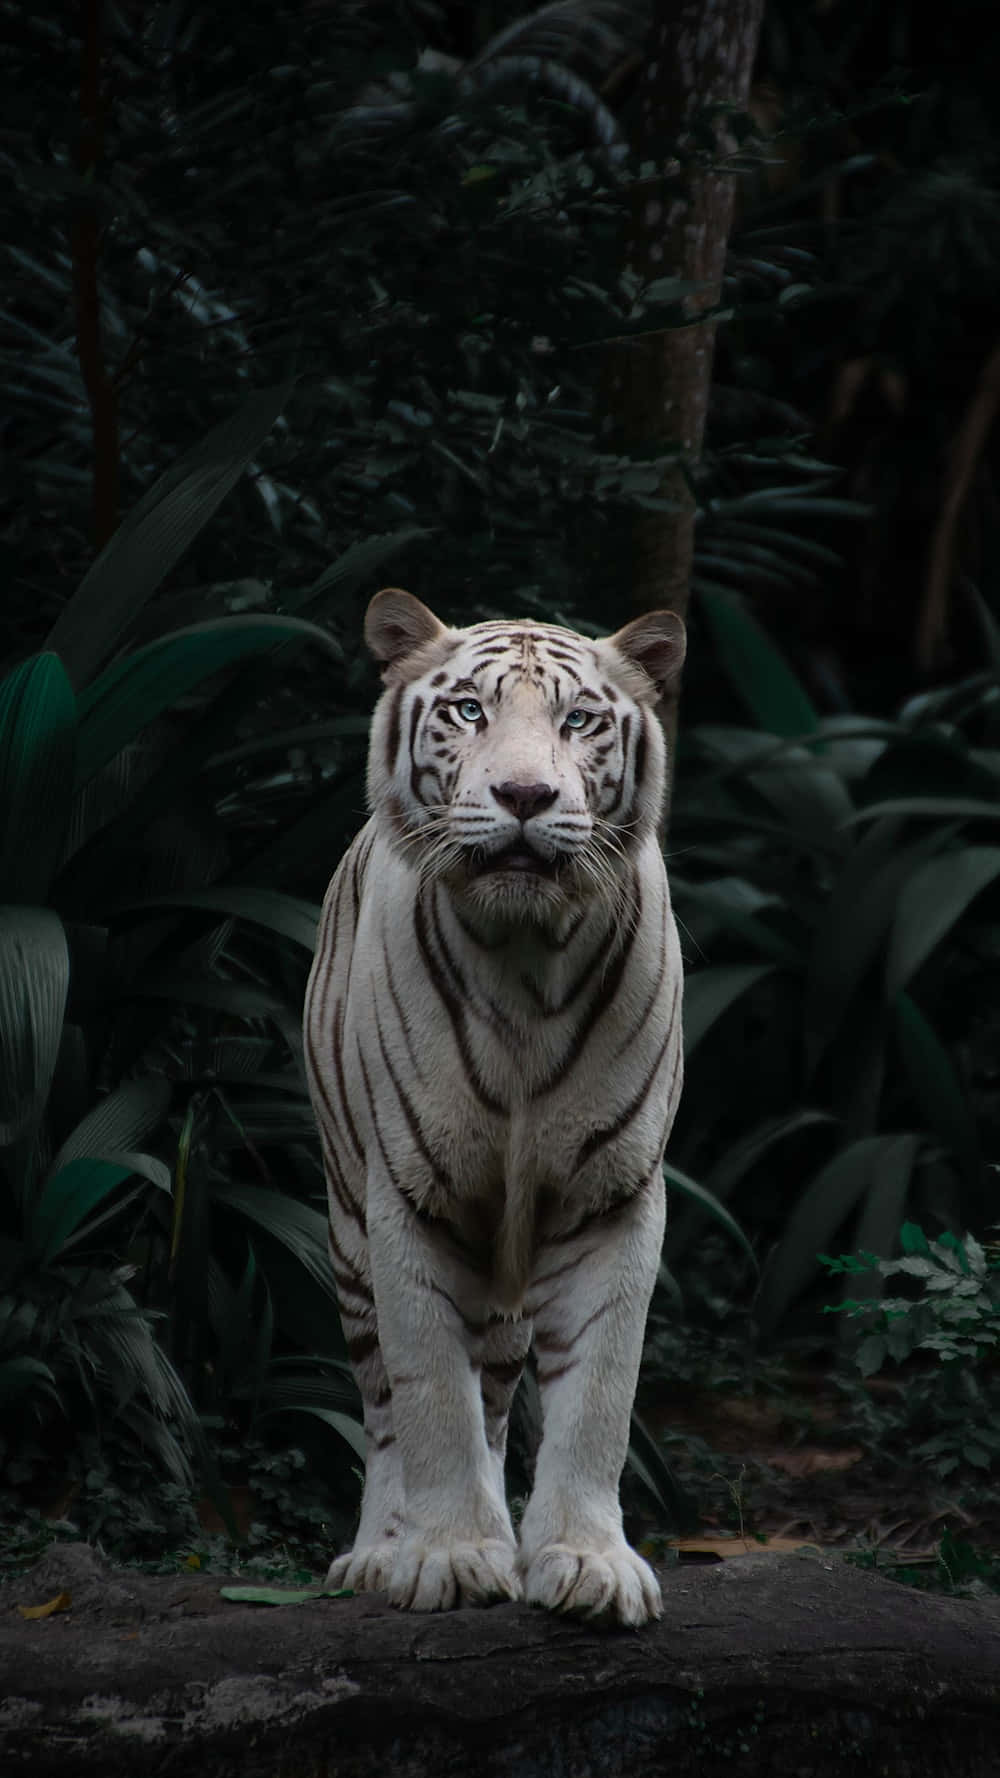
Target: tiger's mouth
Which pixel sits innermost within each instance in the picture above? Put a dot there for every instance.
(519, 859)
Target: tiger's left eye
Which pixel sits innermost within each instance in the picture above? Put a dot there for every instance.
(576, 719)
(469, 709)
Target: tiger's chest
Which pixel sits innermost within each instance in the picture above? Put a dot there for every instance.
(492, 1076)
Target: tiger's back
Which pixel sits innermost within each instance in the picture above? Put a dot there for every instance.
(493, 1044)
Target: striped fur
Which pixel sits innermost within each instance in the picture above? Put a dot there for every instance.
(493, 1042)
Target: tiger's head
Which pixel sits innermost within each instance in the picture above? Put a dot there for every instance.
(518, 762)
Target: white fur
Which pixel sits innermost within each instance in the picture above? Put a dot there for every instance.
(462, 1149)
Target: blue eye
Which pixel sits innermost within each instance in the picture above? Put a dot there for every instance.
(469, 709)
(576, 719)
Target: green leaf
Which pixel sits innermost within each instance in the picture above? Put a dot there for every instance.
(282, 1595)
(828, 1198)
(648, 1462)
(285, 914)
(64, 1201)
(738, 1161)
(34, 982)
(156, 533)
(128, 694)
(851, 931)
(953, 808)
(21, 1374)
(349, 1430)
(296, 1226)
(706, 1200)
(935, 1087)
(124, 1117)
(882, 1214)
(709, 993)
(37, 753)
(931, 902)
(361, 559)
(757, 672)
(912, 1238)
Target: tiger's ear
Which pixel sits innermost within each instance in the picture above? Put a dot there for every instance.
(656, 642)
(396, 625)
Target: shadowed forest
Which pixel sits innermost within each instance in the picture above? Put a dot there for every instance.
(567, 314)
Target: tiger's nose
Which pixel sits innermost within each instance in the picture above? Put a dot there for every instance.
(524, 800)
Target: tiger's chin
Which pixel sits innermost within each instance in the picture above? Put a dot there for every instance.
(515, 895)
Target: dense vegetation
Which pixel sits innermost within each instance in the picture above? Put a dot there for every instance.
(301, 300)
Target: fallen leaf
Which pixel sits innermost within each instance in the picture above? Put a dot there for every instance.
(282, 1595)
(192, 1561)
(723, 1549)
(61, 1602)
(813, 1459)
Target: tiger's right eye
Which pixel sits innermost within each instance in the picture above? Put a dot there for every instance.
(469, 709)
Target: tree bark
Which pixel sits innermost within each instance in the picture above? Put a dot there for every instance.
(764, 1664)
(698, 65)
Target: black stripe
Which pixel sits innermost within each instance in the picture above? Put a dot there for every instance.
(438, 1172)
(600, 1138)
(338, 1185)
(416, 712)
(404, 1023)
(395, 717)
(360, 1346)
(551, 1343)
(654, 996)
(453, 1007)
(338, 1063)
(602, 999)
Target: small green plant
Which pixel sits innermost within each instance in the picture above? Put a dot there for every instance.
(956, 1317)
(958, 1314)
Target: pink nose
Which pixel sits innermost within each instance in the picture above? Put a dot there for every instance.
(524, 800)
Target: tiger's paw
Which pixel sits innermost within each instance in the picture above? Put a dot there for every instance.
(438, 1576)
(614, 1583)
(368, 1568)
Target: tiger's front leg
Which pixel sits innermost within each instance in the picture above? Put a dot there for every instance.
(589, 1300)
(457, 1545)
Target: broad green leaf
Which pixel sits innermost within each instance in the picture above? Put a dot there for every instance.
(733, 902)
(37, 753)
(934, 1083)
(757, 671)
(361, 559)
(23, 1373)
(648, 1462)
(124, 1117)
(34, 982)
(738, 1161)
(298, 1227)
(66, 1199)
(349, 1430)
(707, 1201)
(931, 902)
(285, 914)
(882, 1213)
(282, 1595)
(952, 808)
(131, 692)
(828, 1198)
(156, 533)
(709, 993)
(852, 929)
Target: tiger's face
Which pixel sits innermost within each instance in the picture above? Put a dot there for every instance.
(518, 762)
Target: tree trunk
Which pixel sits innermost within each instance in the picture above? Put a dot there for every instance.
(765, 1664)
(698, 65)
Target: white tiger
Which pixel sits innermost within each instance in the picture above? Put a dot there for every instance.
(493, 1042)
